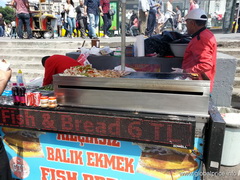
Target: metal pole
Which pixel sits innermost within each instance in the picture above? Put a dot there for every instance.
(123, 35)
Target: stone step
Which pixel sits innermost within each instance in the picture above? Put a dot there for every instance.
(73, 44)
(236, 98)
(237, 72)
(230, 51)
(228, 44)
(236, 83)
(42, 44)
(35, 51)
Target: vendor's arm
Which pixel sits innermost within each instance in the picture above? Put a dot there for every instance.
(4, 78)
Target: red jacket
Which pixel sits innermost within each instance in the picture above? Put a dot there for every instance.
(105, 5)
(57, 64)
(200, 55)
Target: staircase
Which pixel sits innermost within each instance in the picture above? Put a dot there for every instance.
(233, 50)
(27, 54)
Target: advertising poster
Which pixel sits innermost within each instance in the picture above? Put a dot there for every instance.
(36, 155)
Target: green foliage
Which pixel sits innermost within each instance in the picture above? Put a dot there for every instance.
(8, 14)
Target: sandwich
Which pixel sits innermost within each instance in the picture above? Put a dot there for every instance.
(24, 142)
(166, 163)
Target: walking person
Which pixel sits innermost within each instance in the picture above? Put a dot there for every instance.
(23, 15)
(107, 21)
(64, 21)
(160, 21)
(59, 24)
(152, 17)
(2, 25)
(92, 9)
(193, 5)
(134, 24)
(178, 19)
(143, 8)
(70, 10)
(169, 14)
(81, 19)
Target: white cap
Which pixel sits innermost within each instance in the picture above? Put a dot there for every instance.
(197, 14)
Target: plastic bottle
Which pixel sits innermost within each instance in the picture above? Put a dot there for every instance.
(19, 77)
(15, 94)
(4, 98)
(22, 91)
(9, 98)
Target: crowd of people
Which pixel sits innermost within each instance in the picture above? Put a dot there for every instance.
(83, 20)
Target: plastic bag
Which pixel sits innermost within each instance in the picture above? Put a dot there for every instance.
(37, 82)
(160, 43)
(127, 69)
(82, 59)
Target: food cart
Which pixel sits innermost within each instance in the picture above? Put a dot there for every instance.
(141, 126)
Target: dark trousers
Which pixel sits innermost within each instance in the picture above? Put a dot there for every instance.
(82, 26)
(5, 171)
(24, 18)
(151, 22)
(107, 23)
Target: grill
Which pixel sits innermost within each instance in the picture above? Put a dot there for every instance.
(164, 93)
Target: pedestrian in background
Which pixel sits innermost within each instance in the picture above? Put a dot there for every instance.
(2, 25)
(160, 20)
(134, 24)
(81, 19)
(59, 23)
(64, 21)
(92, 9)
(193, 5)
(169, 15)
(178, 19)
(70, 10)
(23, 15)
(151, 23)
(143, 8)
(107, 21)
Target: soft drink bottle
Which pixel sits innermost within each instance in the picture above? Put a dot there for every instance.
(15, 94)
(22, 91)
(19, 77)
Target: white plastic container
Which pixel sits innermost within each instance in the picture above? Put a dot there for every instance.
(231, 142)
(178, 49)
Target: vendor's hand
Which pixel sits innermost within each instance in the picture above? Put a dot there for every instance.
(177, 70)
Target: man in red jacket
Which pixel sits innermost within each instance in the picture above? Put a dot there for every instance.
(200, 55)
(56, 64)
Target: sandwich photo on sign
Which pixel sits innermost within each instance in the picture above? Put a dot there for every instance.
(166, 162)
(24, 142)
